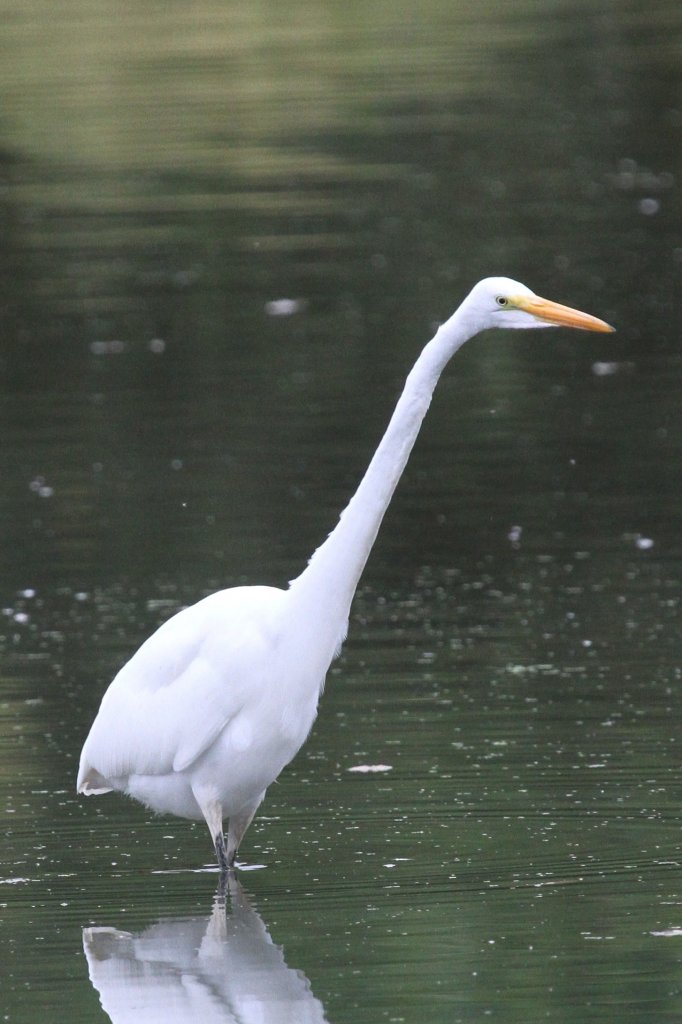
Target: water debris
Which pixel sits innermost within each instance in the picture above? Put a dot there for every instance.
(648, 206)
(284, 307)
(641, 542)
(609, 368)
(644, 543)
(41, 488)
(514, 534)
(368, 769)
(107, 348)
(542, 668)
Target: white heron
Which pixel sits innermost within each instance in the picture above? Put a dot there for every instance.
(221, 697)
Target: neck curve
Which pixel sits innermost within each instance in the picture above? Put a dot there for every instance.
(321, 596)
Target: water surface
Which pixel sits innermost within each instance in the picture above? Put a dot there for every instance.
(225, 235)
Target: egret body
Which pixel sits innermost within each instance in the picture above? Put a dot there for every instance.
(220, 698)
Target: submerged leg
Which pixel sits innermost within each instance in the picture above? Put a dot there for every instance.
(238, 825)
(223, 863)
(213, 813)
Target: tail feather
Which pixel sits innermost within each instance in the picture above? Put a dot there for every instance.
(91, 783)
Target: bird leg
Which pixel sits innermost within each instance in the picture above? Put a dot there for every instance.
(223, 862)
(213, 813)
(238, 825)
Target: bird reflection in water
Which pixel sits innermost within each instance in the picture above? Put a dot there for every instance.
(224, 967)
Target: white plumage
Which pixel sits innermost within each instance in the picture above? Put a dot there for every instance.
(210, 709)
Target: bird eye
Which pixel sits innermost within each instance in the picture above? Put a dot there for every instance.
(501, 300)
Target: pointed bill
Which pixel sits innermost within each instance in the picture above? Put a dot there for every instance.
(554, 313)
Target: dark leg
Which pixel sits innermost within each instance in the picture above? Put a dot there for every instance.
(223, 862)
(238, 826)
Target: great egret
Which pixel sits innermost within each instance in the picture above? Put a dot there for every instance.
(220, 698)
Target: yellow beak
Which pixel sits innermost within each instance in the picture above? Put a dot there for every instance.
(554, 313)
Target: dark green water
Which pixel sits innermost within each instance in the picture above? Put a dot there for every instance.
(170, 426)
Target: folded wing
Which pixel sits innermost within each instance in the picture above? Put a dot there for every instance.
(184, 685)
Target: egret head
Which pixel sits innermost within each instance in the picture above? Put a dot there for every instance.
(501, 302)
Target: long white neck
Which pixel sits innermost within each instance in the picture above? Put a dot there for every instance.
(321, 596)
